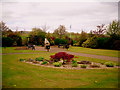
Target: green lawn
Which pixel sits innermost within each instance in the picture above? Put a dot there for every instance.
(12, 50)
(18, 74)
(104, 52)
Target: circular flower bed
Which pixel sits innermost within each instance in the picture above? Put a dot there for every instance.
(66, 61)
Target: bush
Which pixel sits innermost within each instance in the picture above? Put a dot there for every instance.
(58, 41)
(57, 64)
(39, 59)
(91, 42)
(74, 64)
(74, 61)
(83, 66)
(116, 44)
(22, 59)
(102, 42)
(62, 55)
(7, 41)
(109, 64)
(44, 62)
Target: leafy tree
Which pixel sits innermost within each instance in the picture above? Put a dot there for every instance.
(114, 29)
(60, 31)
(114, 32)
(83, 37)
(16, 37)
(37, 36)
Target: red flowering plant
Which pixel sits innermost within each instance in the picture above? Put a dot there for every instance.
(62, 55)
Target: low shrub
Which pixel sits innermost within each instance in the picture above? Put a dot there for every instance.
(22, 59)
(109, 64)
(62, 55)
(39, 59)
(74, 64)
(94, 65)
(83, 66)
(44, 62)
(57, 64)
(74, 61)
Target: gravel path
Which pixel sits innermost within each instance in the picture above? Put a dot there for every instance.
(56, 49)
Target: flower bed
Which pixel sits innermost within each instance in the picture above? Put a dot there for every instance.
(66, 61)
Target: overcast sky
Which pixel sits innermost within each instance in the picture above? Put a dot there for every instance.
(80, 15)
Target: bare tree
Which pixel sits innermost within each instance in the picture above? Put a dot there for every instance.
(101, 29)
(45, 27)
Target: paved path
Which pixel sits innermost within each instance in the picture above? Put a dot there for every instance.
(55, 49)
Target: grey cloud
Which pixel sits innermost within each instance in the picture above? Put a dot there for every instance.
(82, 15)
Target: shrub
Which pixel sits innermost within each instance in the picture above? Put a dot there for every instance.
(60, 41)
(44, 62)
(7, 41)
(57, 64)
(39, 59)
(91, 42)
(83, 66)
(74, 64)
(74, 61)
(22, 59)
(109, 64)
(102, 42)
(116, 44)
(62, 55)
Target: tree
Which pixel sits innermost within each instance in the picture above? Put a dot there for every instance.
(114, 29)
(83, 37)
(37, 36)
(44, 28)
(60, 31)
(101, 29)
(91, 42)
(16, 38)
(114, 32)
(4, 29)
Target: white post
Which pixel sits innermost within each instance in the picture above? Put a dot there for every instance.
(70, 32)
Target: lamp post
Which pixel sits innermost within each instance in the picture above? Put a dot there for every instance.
(70, 32)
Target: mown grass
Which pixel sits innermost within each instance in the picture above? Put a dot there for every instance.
(18, 74)
(12, 50)
(104, 52)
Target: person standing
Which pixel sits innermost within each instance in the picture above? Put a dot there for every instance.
(47, 45)
(33, 47)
